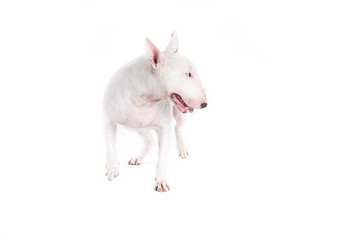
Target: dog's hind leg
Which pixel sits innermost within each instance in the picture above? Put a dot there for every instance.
(112, 163)
(148, 143)
(180, 119)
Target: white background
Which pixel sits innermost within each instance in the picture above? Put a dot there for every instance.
(274, 156)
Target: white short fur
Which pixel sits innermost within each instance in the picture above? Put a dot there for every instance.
(138, 97)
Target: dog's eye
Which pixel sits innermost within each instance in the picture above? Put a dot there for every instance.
(189, 75)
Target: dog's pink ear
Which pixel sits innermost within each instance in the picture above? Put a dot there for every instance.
(173, 44)
(153, 53)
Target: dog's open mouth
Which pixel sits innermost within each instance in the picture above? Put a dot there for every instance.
(180, 104)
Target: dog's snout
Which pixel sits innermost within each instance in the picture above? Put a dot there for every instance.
(203, 105)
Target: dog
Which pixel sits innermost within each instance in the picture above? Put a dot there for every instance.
(144, 95)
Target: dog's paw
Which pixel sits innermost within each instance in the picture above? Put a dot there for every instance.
(182, 150)
(112, 171)
(135, 161)
(161, 185)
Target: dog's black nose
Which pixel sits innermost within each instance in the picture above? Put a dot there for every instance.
(203, 105)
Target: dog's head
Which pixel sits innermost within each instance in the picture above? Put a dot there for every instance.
(178, 75)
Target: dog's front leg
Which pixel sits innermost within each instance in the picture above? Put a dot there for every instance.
(180, 119)
(164, 136)
(112, 163)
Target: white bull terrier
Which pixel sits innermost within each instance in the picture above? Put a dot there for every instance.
(138, 97)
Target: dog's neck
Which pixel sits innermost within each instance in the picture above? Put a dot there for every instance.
(152, 97)
(155, 90)
(151, 94)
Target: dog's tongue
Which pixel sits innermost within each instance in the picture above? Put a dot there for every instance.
(188, 108)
